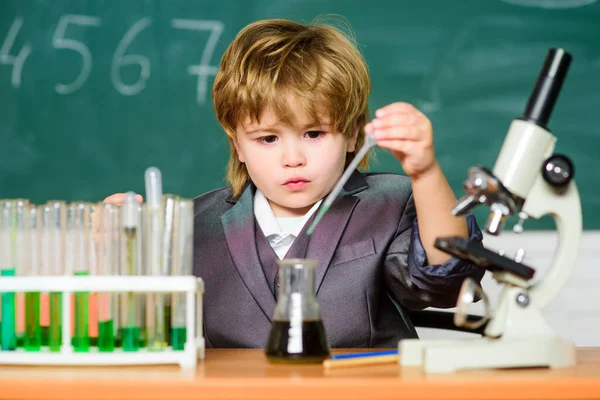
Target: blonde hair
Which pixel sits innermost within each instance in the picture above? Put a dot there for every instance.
(317, 64)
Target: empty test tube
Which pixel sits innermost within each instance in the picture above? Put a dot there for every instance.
(182, 265)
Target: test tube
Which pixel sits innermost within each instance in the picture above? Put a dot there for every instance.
(7, 268)
(130, 266)
(3, 256)
(54, 228)
(169, 245)
(43, 212)
(140, 266)
(76, 262)
(153, 228)
(109, 241)
(93, 270)
(21, 245)
(33, 331)
(182, 265)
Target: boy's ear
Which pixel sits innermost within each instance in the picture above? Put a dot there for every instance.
(352, 141)
(237, 150)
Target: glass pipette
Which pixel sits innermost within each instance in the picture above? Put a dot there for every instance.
(369, 142)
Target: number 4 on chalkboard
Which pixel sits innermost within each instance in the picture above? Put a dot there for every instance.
(17, 61)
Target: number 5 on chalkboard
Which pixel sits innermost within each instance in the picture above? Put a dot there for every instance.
(60, 42)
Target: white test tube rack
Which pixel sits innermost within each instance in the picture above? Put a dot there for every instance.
(186, 358)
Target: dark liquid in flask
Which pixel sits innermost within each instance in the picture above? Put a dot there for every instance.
(284, 342)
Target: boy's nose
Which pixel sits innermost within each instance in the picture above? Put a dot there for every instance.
(293, 156)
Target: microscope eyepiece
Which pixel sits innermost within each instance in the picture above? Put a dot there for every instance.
(548, 85)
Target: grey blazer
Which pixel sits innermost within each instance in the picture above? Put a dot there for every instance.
(371, 266)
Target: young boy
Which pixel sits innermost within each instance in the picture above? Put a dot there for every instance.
(292, 99)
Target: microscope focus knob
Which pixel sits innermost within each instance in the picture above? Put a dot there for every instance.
(558, 170)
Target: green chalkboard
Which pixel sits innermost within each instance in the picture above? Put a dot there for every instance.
(93, 92)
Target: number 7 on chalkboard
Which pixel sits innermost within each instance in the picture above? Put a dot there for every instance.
(204, 69)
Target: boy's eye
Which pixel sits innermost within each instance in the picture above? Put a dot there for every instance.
(267, 139)
(314, 134)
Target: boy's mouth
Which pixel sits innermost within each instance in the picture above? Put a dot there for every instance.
(296, 183)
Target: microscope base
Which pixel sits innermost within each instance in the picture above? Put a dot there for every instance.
(452, 355)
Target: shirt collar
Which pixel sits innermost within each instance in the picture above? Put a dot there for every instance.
(267, 220)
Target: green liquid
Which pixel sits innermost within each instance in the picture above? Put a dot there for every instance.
(167, 320)
(81, 338)
(8, 324)
(45, 336)
(130, 339)
(33, 330)
(106, 336)
(55, 332)
(178, 336)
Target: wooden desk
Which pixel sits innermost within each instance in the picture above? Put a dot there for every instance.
(245, 374)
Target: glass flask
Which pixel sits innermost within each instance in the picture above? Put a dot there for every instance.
(297, 334)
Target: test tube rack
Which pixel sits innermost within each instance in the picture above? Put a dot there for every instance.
(192, 286)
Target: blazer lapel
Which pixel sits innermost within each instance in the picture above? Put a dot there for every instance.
(239, 227)
(327, 234)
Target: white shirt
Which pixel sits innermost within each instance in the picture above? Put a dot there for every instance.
(279, 231)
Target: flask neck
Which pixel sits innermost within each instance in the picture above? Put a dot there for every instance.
(297, 278)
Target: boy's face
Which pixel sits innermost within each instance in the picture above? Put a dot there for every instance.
(293, 166)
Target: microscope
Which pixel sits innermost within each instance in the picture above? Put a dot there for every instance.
(527, 181)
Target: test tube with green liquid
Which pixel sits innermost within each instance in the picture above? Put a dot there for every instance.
(76, 263)
(182, 266)
(169, 246)
(3, 255)
(33, 330)
(58, 224)
(108, 264)
(7, 268)
(130, 266)
(153, 225)
(141, 262)
(92, 258)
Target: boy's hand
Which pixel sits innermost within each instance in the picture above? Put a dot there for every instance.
(407, 132)
(119, 198)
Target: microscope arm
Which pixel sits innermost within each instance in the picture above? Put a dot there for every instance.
(565, 208)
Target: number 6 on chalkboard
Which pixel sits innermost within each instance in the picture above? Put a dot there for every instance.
(59, 42)
(120, 60)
